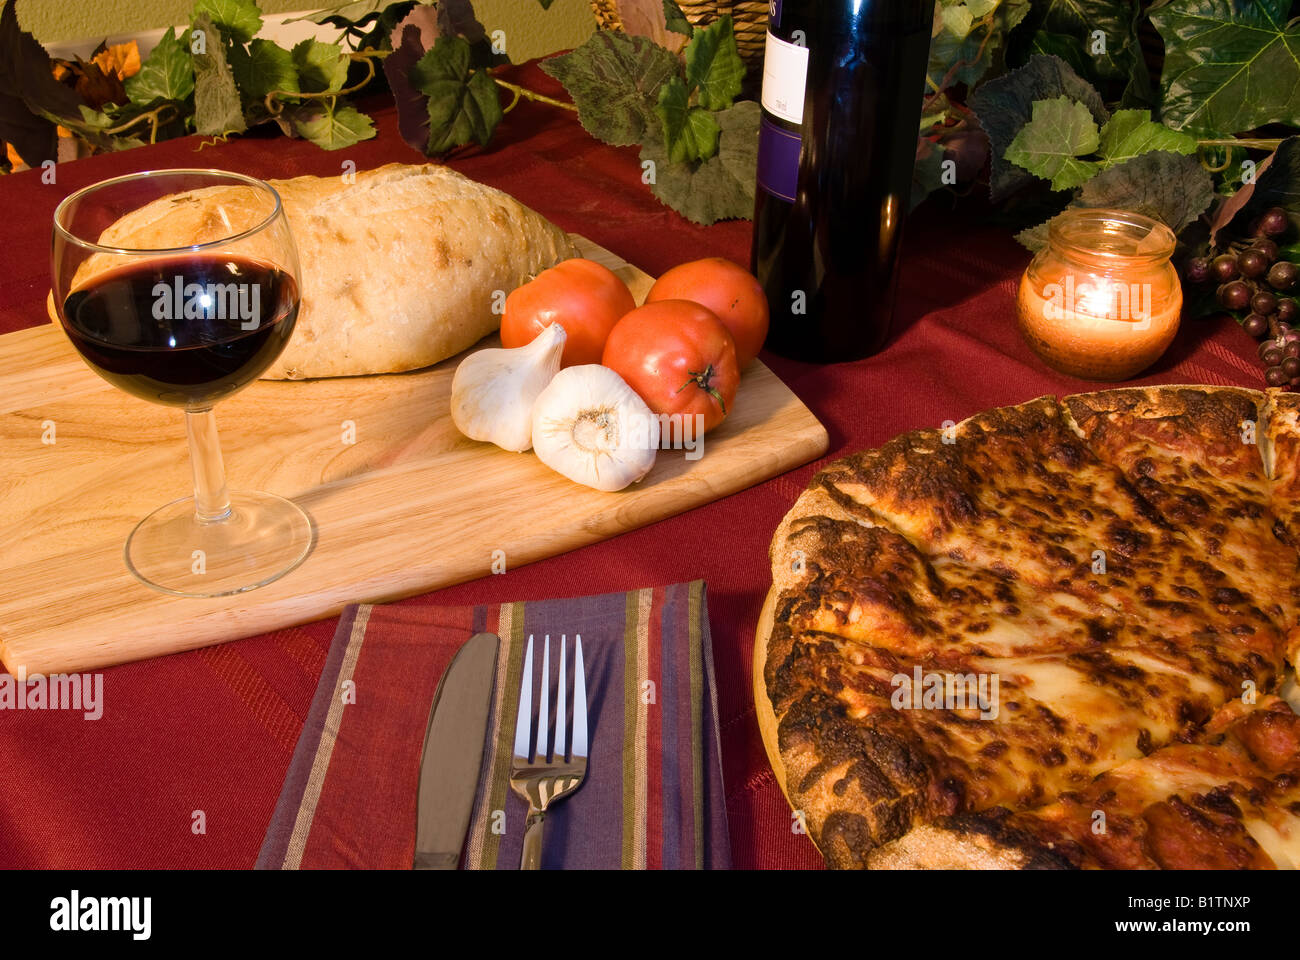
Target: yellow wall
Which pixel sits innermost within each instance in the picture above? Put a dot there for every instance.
(530, 30)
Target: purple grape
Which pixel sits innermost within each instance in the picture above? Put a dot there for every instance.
(1271, 353)
(1287, 310)
(1273, 222)
(1198, 270)
(1291, 349)
(1275, 377)
(1263, 303)
(1291, 367)
(1255, 325)
(1251, 263)
(1282, 275)
(1234, 295)
(1224, 267)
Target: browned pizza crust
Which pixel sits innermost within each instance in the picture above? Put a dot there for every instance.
(972, 552)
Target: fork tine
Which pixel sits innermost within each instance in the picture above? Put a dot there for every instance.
(559, 708)
(544, 699)
(579, 702)
(525, 716)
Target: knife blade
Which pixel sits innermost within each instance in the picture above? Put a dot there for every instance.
(453, 753)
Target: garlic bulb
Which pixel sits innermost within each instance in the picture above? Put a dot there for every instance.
(589, 425)
(493, 391)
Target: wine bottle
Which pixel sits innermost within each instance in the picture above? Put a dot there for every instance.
(842, 89)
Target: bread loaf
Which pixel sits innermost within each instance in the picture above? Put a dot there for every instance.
(400, 267)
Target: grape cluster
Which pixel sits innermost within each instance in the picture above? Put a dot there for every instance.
(1260, 289)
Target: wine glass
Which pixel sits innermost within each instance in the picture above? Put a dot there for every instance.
(181, 287)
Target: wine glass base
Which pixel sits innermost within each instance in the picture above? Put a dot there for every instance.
(259, 541)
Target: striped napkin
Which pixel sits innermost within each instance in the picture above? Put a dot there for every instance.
(653, 795)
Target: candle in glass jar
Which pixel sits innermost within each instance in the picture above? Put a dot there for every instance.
(1101, 301)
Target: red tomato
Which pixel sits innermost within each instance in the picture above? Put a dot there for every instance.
(585, 298)
(729, 291)
(678, 357)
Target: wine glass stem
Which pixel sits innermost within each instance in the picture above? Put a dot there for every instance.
(211, 499)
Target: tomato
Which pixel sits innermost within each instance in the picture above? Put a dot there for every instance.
(585, 298)
(679, 358)
(729, 291)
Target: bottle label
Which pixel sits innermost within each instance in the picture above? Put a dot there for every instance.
(785, 73)
(778, 160)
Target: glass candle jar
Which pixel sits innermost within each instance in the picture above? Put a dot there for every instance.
(1101, 301)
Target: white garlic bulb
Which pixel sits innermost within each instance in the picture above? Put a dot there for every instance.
(493, 391)
(590, 426)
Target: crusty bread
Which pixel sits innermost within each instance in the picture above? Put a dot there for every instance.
(399, 266)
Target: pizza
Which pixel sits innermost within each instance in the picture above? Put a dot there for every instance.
(1053, 635)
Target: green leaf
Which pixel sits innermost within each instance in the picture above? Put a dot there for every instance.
(1105, 29)
(615, 80)
(321, 66)
(927, 172)
(238, 20)
(690, 133)
(1229, 66)
(332, 129)
(1061, 131)
(720, 188)
(168, 72)
(217, 109)
(1005, 104)
(966, 47)
(263, 67)
(1068, 48)
(1132, 132)
(463, 105)
(676, 21)
(1168, 186)
(713, 65)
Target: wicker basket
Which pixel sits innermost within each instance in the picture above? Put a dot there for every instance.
(749, 17)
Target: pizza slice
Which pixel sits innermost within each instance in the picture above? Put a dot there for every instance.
(1231, 800)
(1192, 453)
(1281, 443)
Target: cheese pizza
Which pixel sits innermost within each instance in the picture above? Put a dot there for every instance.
(980, 638)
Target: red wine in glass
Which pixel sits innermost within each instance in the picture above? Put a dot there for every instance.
(184, 331)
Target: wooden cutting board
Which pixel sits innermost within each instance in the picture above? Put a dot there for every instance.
(409, 507)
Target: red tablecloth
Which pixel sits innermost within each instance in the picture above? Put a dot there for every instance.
(213, 730)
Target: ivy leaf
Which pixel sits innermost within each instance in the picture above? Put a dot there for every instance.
(238, 20)
(1005, 104)
(321, 66)
(1132, 132)
(332, 128)
(263, 67)
(463, 105)
(720, 188)
(965, 48)
(167, 73)
(1229, 66)
(676, 21)
(217, 109)
(1105, 29)
(713, 64)
(690, 133)
(1049, 146)
(1172, 188)
(615, 80)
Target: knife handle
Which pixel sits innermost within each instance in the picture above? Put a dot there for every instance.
(532, 858)
(437, 861)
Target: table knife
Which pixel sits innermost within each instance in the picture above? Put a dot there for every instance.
(453, 753)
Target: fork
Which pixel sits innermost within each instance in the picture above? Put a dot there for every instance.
(539, 780)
